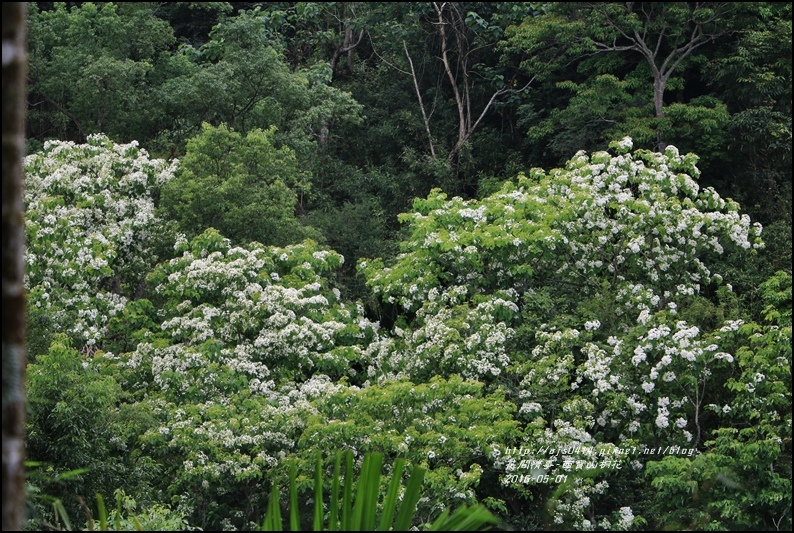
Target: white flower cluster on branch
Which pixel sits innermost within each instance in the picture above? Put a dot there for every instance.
(91, 229)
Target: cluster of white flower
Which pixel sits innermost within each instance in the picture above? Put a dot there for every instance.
(626, 518)
(230, 295)
(253, 341)
(657, 351)
(454, 337)
(598, 369)
(90, 225)
(249, 354)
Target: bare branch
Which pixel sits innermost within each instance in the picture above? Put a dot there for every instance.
(352, 46)
(494, 96)
(425, 118)
(392, 65)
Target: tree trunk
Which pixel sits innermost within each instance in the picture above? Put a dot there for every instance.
(659, 85)
(14, 74)
(683, 37)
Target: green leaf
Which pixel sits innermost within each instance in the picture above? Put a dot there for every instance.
(294, 520)
(413, 492)
(318, 496)
(391, 496)
(272, 520)
(333, 511)
(60, 513)
(103, 513)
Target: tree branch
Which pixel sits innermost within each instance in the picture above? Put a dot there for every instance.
(425, 118)
(66, 112)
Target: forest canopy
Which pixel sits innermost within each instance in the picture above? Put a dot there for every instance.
(541, 250)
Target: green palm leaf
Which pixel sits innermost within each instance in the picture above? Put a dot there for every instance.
(361, 514)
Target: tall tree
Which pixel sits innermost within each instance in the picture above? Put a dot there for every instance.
(91, 70)
(456, 46)
(319, 31)
(14, 67)
(254, 187)
(460, 71)
(753, 76)
(632, 69)
(663, 33)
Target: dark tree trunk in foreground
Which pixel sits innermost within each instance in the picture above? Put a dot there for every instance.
(13, 235)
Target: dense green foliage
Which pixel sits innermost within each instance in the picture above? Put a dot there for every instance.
(345, 239)
(253, 184)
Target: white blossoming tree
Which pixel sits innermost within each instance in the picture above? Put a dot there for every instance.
(247, 338)
(222, 359)
(744, 477)
(574, 315)
(589, 293)
(92, 235)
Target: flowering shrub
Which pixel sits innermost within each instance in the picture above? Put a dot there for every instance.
(447, 426)
(744, 475)
(272, 307)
